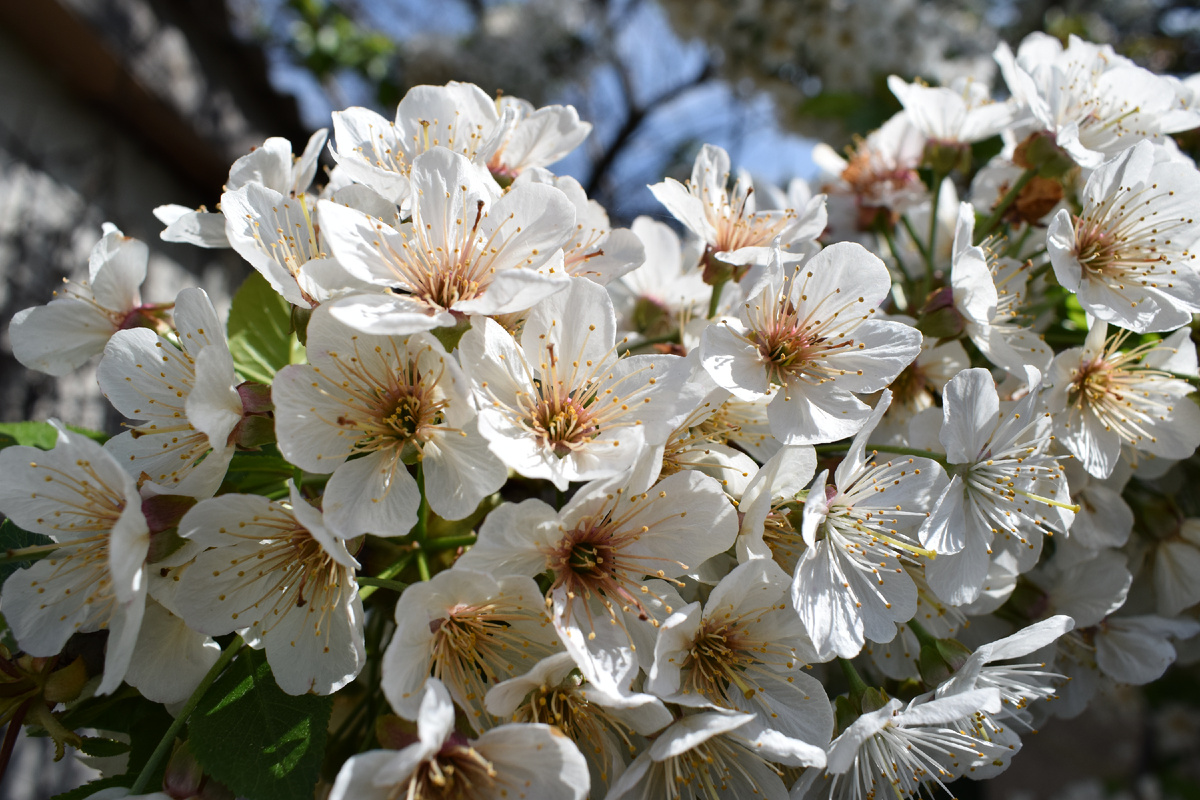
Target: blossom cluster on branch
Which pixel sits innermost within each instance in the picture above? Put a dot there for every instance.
(826, 498)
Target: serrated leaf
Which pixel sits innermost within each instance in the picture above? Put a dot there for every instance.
(260, 331)
(103, 748)
(127, 712)
(41, 435)
(260, 742)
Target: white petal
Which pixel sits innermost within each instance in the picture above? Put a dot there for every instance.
(373, 494)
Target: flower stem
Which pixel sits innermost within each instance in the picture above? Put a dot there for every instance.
(168, 739)
(668, 338)
(390, 571)
(450, 542)
(28, 553)
(857, 685)
(715, 300)
(1194, 380)
(885, 448)
(382, 583)
(997, 214)
(931, 242)
(422, 529)
(923, 636)
(912, 234)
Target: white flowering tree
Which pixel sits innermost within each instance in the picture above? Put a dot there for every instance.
(474, 495)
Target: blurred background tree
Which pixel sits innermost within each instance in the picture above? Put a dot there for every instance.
(759, 77)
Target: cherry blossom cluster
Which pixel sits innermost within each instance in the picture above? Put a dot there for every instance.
(819, 491)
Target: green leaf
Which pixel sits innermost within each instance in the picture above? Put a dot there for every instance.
(14, 538)
(261, 743)
(103, 748)
(42, 435)
(260, 331)
(126, 712)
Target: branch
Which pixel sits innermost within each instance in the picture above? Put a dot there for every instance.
(637, 116)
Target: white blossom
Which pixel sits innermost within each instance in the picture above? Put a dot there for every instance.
(279, 576)
(60, 336)
(531, 760)
(1128, 254)
(79, 496)
(187, 395)
(1109, 402)
(808, 329)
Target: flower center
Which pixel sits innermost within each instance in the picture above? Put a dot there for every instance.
(563, 424)
(911, 388)
(715, 660)
(412, 414)
(781, 533)
(585, 560)
(458, 772)
(473, 646)
(1097, 249)
(713, 767)
(584, 722)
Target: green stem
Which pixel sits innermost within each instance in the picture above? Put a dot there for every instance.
(422, 526)
(886, 448)
(168, 740)
(923, 636)
(422, 529)
(1014, 250)
(28, 553)
(381, 583)
(886, 232)
(666, 338)
(715, 300)
(912, 234)
(390, 571)
(450, 542)
(997, 214)
(423, 565)
(1194, 380)
(857, 685)
(933, 223)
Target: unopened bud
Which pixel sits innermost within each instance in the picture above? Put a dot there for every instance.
(300, 318)
(184, 775)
